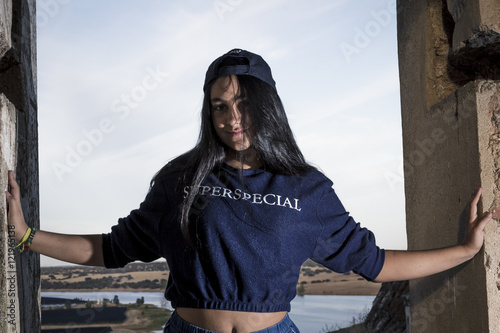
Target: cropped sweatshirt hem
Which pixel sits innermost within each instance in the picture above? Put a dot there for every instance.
(230, 306)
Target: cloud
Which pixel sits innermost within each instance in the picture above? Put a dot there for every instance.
(350, 111)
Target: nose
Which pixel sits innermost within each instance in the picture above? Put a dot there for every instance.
(234, 116)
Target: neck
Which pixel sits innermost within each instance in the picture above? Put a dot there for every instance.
(245, 159)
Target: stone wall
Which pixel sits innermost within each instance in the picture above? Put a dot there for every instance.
(20, 275)
(449, 71)
(389, 310)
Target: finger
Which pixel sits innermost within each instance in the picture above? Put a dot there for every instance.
(476, 195)
(14, 187)
(484, 221)
(9, 198)
(473, 204)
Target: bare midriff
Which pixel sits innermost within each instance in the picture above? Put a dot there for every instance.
(225, 321)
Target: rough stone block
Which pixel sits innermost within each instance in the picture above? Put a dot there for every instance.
(476, 37)
(9, 311)
(8, 149)
(488, 101)
(472, 17)
(5, 26)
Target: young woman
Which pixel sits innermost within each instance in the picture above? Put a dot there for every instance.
(237, 215)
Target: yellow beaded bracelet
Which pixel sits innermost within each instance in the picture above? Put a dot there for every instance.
(27, 244)
(25, 237)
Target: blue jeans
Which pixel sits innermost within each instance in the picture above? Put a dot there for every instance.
(177, 325)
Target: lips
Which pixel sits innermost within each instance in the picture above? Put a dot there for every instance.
(236, 133)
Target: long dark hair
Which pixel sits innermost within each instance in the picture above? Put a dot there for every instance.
(271, 138)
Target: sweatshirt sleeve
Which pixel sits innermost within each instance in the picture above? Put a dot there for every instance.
(136, 237)
(343, 245)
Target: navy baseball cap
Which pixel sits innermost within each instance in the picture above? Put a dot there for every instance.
(239, 62)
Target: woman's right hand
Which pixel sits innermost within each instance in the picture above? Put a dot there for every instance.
(77, 249)
(15, 215)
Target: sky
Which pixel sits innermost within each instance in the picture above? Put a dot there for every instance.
(120, 90)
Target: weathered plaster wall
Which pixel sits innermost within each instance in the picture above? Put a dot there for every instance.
(488, 101)
(437, 40)
(448, 159)
(451, 121)
(19, 278)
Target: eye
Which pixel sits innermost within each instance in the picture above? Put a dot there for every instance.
(219, 108)
(243, 105)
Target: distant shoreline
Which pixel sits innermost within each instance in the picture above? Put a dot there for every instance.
(107, 290)
(152, 277)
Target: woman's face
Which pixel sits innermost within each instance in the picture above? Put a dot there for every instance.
(226, 116)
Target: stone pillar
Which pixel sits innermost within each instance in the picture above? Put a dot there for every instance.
(450, 96)
(20, 273)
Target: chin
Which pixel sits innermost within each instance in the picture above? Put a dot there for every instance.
(241, 148)
(238, 147)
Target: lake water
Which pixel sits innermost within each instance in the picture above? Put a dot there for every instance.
(311, 313)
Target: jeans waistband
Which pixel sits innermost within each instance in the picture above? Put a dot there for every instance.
(177, 325)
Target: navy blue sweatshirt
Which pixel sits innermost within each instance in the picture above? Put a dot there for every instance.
(253, 236)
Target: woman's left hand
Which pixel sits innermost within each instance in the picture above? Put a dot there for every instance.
(406, 265)
(476, 224)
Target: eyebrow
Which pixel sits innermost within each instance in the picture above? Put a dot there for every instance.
(217, 100)
(220, 100)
